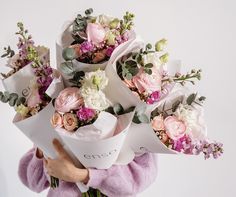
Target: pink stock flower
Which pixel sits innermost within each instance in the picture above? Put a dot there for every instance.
(56, 120)
(85, 114)
(68, 99)
(158, 123)
(175, 128)
(154, 97)
(34, 99)
(146, 83)
(70, 121)
(95, 33)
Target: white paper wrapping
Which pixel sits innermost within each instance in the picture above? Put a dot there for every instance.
(19, 81)
(100, 154)
(38, 127)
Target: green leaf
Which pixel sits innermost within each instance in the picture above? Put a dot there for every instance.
(143, 118)
(202, 98)
(131, 63)
(13, 95)
(4, 99)
(175, 105)
(20, 100)
(69, 54)
(4, 55)
(136, 119)
(148, 71)
(149, 65)
(118, 109)
(191, 98)
(128, 76)
(7, 95)
(130, 109)
(12, 101)
(110, 110)
(67, 68)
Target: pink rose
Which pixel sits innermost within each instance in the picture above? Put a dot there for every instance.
(70, 121)
(68, 99)
(148, 83)
(95, 33)
(34, 99)
(175, 128)
(158, 123)
(56, 120)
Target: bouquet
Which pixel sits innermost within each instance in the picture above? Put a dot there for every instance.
(180, 125)
(89, 41)
(24, 64)
(81, 116)
(145, 75)
(176, 125)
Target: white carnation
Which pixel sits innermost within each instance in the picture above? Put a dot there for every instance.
(193, 119)
(94, 99)
(95, 80)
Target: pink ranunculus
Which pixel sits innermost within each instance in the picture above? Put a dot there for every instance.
(146, 83)
(70, 121)
(175, 128)
(68, 99)
(95, 33)
(158, 123)
(34, 99)
(56, 120)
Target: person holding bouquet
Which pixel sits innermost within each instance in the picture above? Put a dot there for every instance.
(127, 180)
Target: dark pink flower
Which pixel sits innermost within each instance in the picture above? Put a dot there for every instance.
(85, 114)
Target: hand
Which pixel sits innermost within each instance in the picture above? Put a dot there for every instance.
(63, 167)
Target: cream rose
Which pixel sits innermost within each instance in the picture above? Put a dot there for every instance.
(56, 120)
(70, 121)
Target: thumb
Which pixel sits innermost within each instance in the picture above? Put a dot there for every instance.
(59, 148)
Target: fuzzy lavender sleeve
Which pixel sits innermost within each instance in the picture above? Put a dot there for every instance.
(31, 172)
(126, 180)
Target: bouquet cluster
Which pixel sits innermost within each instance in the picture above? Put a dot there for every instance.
(122, 97)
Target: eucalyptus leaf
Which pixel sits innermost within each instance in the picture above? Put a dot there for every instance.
(118, 109)
(202, 98)
(4, 99)
(69, 54)
(131, 63)
(149, 65)
(7, 95)
(12, 101)
(136, 119)
(175, 105)
(128, 76)
(191, 98)
(130, 109)
(67, 68)
(20, 100)
(143, 118)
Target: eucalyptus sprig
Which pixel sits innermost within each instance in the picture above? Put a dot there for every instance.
(8, 52)
(80, 24)
(12, 99)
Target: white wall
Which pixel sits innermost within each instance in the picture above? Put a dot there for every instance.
(200, 32)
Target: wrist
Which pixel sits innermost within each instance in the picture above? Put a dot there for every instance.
(81, 175)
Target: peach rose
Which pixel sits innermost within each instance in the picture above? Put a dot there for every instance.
(175, 128)
(95, 33)
(56, 120)
(68, 99)
(158, 123)
(148, 83)
(70, 121)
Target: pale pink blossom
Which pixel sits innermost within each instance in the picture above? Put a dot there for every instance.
(95, 33)
(56, 120)
(70, 121)
(158, 123)
(68, 99)
(175, 128)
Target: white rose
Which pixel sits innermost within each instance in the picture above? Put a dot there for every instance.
(95, 80)
(152, 58)
(193, 119)
(94, 99)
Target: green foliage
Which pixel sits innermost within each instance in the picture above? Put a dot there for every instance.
(8, 52)
(67, 68)
(76, 80)
(127, 22)
(69, 54)
(11, 98)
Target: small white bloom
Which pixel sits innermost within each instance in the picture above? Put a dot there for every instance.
(95, 80)
(104, 19)
(193, 119)
(153, 58)
(94, 99)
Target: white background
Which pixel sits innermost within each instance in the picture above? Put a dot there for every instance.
(200, 32)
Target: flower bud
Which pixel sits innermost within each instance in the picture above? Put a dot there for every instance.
(114, 23)
(164, 58)
(160, 45)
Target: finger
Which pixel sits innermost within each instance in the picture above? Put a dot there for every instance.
(45, 162)
(59, 148)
